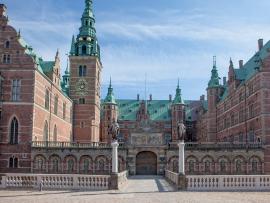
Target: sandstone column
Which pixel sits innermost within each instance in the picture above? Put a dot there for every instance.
(181, 161)
(115, 157)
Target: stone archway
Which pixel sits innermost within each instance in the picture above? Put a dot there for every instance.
(146, 163)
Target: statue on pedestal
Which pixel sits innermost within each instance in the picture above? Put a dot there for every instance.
(114, 130)
(181, 131)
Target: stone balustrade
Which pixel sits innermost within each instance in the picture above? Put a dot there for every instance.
(228, 182)
(71, 145)
(62, 182)
(172, 177)
(220, 182)
(217, 146)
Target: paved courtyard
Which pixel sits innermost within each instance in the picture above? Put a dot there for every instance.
(140, 189)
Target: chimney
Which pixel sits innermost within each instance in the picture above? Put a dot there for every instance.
(260, 44)
(150, 97)
(170, 97)
(138, 97)
(224, 80)
(241, 64)
(202, 98)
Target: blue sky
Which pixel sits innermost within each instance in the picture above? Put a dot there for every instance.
(165, 39)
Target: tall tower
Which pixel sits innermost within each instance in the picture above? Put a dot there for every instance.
(178, 112)
(85, 71)
(110, 114)
(213, 93)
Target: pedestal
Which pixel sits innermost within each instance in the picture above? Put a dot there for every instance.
(115, 157)
(181, 161)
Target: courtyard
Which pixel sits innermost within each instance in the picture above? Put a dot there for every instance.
(139, 189)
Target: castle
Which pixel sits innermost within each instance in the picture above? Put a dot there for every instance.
(59, 124)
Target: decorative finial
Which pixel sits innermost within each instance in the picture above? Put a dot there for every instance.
(231, 62)
(19, 33)
(214, 61)
(178, 84)
(110, 82)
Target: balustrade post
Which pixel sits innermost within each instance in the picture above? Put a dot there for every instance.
(4, 182)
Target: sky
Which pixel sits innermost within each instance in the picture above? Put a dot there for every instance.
(161, 40)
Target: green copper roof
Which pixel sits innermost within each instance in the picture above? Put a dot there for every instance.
(214, 81)
(250, 68)
(86, 43)
(178, 96)
(110, 99)
(159, 110)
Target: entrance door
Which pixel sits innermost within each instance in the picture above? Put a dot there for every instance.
(146, 163)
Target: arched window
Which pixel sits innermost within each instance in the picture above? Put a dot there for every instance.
(222, 166)
(84, 50)
(47, 99)
(238, 166)
(55, 134)
(191, 166)
(14, 130)
(70, 165)
(254, 166)
(82, 71)
(55, 164)
(7, 45)
(56, 105)
(46, 132)
(207, 166)
(86, 165)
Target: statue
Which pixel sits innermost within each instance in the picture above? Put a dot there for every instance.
(114, 130)
(181, 131)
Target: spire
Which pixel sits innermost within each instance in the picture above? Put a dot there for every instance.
(110, 99)
(178, 95)
(86, 43)
(231, 63)
(214, 81)
(72, 49)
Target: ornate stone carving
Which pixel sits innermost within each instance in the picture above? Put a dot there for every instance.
(114, 130)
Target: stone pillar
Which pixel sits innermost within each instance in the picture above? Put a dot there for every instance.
(181, 161)
(115, 157)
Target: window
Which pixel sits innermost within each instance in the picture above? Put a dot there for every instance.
(238, 166)
(222, 166)
(55, 164)
(64, 110)
(84, 50)
(86, 165)
(56, 105)
(207, 166)
(251, 136)
(47, 100)
(46, 131)
(254, 166)
(7, 45)
(14, 130)
(82, 124)
(232, 120)
(81, 101)
(70, 165)
(82, 71)
(241, 138)
(16, 90)
(251, 111)
(55, 134)
(191, 166)
(13, 162)
(6, 58)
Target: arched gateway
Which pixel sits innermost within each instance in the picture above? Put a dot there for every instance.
(146, 163)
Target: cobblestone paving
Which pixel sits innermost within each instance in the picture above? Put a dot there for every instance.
(139, 190)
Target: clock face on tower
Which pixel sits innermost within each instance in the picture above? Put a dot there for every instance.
(81, 87)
